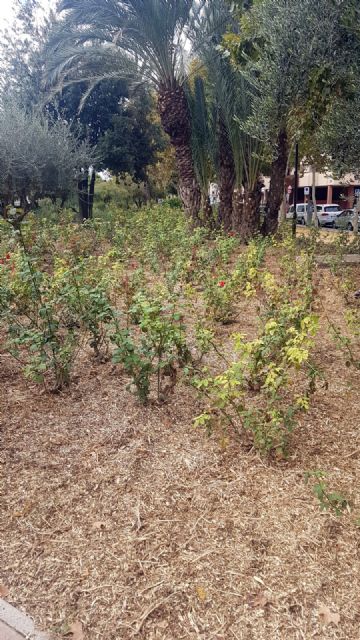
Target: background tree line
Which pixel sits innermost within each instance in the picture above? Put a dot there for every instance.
(220, 90)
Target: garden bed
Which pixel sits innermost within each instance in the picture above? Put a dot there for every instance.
(129, 522)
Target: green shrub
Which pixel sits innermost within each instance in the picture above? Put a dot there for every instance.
(35, 322)
(82, 289)
(272, 378)
(157, 346)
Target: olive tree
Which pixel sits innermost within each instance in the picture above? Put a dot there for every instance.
(296, 55)
(38, 158)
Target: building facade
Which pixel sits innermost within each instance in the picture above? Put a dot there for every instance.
(327, 189)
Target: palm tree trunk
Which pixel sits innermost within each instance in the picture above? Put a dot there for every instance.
(207, 211)
(250, 221)
(237, 210)
(226, 178)
(277, 181)
(175, 118)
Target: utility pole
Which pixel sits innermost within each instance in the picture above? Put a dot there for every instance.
(294, 220)
(356, 214)
(313, 191)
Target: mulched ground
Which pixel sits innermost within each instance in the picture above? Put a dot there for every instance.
(132, 524)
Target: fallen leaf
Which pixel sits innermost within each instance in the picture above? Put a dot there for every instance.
(201, 593)
(76, 631)
(4, 591)
(327, 616)
(258, 599)
(27, 507)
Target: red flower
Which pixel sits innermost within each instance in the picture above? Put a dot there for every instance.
(8, 256)
(232, 234)
(2, 261)
(221, 284)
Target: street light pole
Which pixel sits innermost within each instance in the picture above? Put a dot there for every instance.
(294, 220)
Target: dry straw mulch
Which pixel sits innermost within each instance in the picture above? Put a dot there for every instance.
(131, 524)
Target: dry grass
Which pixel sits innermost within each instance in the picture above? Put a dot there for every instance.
(128, 520)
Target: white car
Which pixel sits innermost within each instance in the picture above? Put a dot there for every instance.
(327, 214)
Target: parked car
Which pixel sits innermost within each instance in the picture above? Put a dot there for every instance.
(327, 214)
(345, 220)
(300, 213)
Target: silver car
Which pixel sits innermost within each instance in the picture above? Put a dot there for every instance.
(345, 220)
(300, 213)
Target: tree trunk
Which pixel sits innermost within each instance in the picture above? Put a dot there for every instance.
(284, 202)
(250, 221)
(237, 210)
(64, 197)
(356, 216)
(175, 118)
(277, 181)
(91, 193)
(207, 211)
(86, 190)
(313, 196)
(147, 190)
(83, 194)
(226, 177)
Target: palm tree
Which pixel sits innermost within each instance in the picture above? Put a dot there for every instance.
(226, 173)
(248, 153)
(239, 154)
(203, 145)
(207, 35)
(102, 39)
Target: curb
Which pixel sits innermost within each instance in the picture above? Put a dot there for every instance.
(15, 625)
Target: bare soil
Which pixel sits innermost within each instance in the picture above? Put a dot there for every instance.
(131, 523)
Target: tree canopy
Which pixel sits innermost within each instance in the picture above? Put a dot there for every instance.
(38, 158)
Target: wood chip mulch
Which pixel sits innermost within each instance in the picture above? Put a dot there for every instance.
(120, 521)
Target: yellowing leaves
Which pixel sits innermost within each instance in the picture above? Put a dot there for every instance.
(297, 355)
(270, 326)
(249, 290)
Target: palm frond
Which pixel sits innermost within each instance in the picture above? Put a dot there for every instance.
(230, 93)
(151, 32)
(202, 134)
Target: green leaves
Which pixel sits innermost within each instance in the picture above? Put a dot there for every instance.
(298, 57)
(259, 391)
(328, 500)
(156, 347)
(45, 316)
